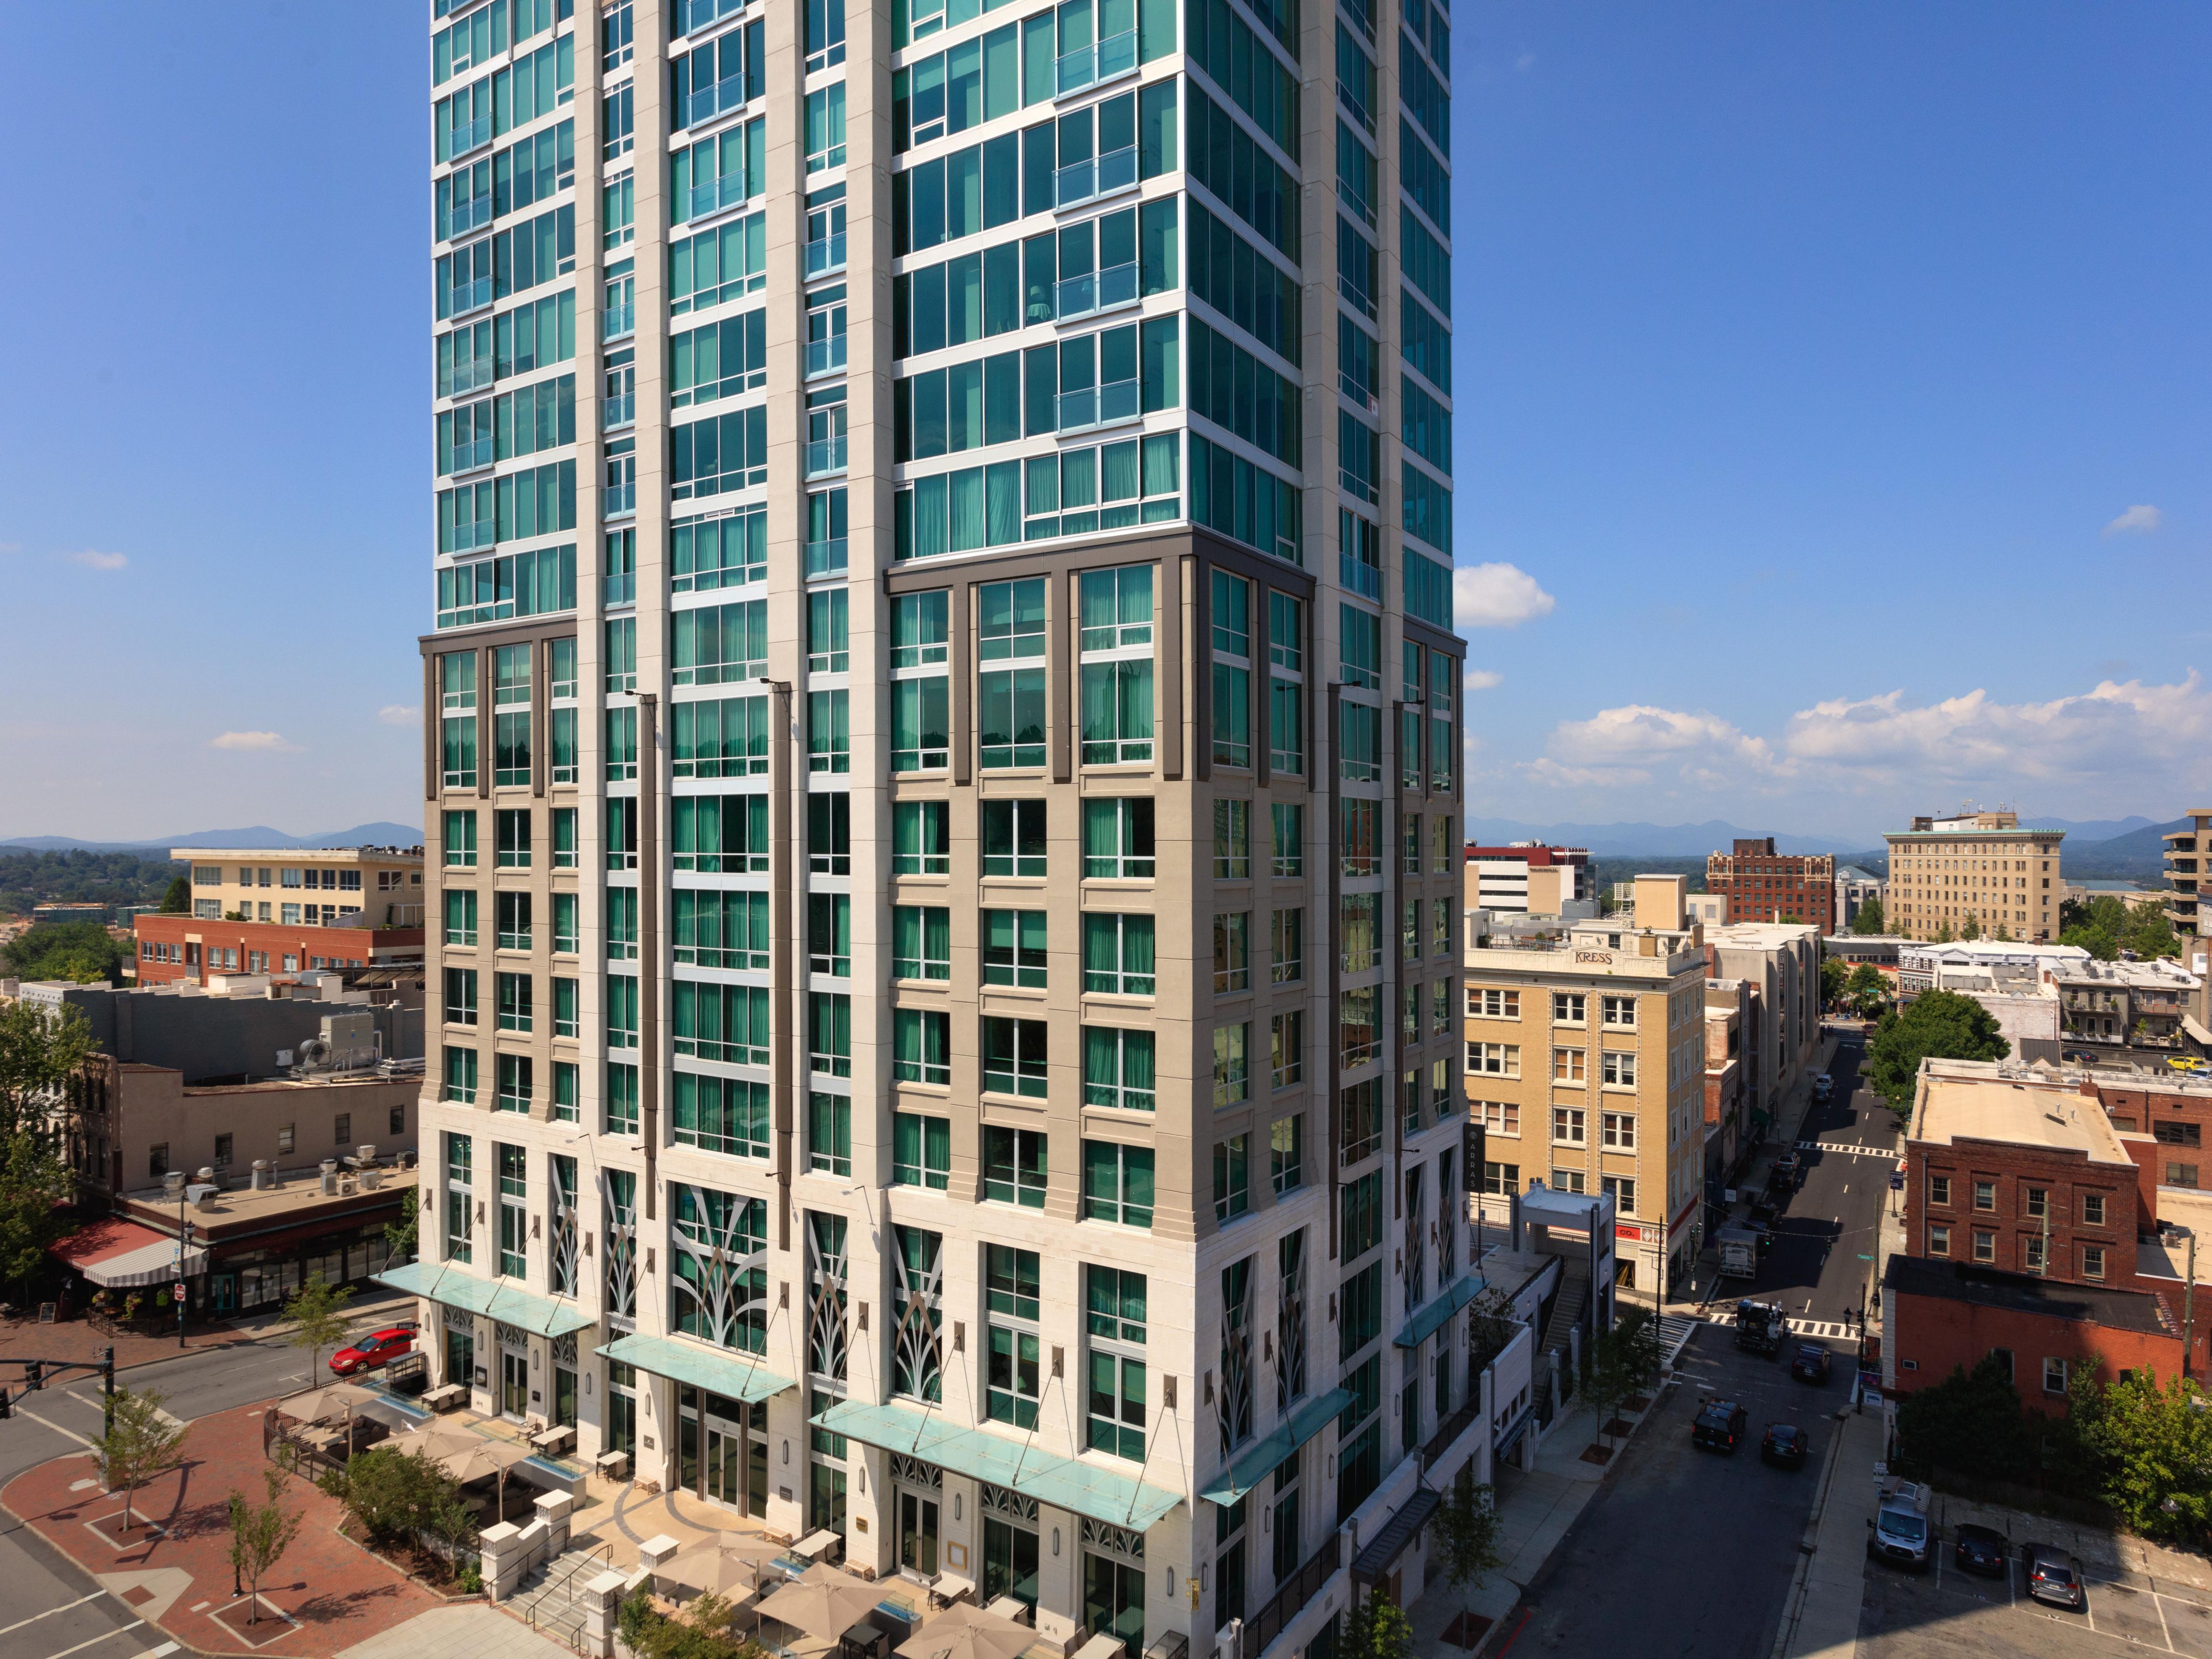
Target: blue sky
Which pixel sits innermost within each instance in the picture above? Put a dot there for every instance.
(1832, 389)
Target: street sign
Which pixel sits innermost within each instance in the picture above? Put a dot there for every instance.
(1896, 1182)
(177, 1290)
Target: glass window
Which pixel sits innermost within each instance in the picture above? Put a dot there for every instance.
(921, 942)
(1117, 838)
(1117, 1068)
(1117, 954)
(1014, 838)
(1117, 1184)
(922, 838)
(1013, 1167)
(1014, 1057)
(921, 1151)
(921, 1045)
(1014, 948)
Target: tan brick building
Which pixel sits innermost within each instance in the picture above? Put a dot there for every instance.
(1974, 872)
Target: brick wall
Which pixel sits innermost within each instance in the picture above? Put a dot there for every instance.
(2011, 1173)
(1932, 1336)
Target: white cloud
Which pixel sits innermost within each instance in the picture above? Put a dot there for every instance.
(1637, 732)
(1550, 772)
(2135, 521)
(1481, 679)
(399, 713)
(95, 561)
(263, 742)
(1497, 596)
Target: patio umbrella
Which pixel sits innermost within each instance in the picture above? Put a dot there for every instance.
(319, 1404)
(962, 1632)
(824, 1603)
(728, 1562)
(482, 1460)
(434, 1440)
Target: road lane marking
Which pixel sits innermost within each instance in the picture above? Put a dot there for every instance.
(51, 1612)
(96, 1640)
(57, 1428)
(2158, 1601)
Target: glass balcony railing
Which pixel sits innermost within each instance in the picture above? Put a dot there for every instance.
(1078, 296)
(469, 377)
(1086, 66)
(825, 253)
(468, 217)
(615, 321)
(714, 195)
(697, 14)
(468, 296)
(618, 499)
(825, 456)
(1101, 405)
(707, 102)
(472, 135)
(1356, 576)
(467, 457)
(621, 589)
(826, 558)
(1081, 181)
(617, 411)
(824, 355)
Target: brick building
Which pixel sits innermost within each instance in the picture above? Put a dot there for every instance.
(1763, 885)
(174, 949)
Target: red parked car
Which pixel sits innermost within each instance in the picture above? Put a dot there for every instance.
(373, 1350)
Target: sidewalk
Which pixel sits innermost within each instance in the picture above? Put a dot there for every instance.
(77, 1339)
(1821, 1619)
(1534, 1509)
(326, 1595)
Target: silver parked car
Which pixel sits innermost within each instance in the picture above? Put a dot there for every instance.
(2053, 1576)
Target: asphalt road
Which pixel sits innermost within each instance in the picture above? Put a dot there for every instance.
(48, 1608)
(1686, 1551)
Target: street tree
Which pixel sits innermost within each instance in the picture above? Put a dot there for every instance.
(1866, 987)
(317, 1315)
(2145, 1450)
(1468, 1526)
(1870, 921)
(1939, 1023)
(259, 1535)
(1834, 973)
(1377, 1629)
(43, 1053)
(178, 900)
(144, 1444)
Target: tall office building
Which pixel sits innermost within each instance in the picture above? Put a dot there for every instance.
(941, 747)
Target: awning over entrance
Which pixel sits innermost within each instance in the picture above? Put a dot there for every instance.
(1256, 1461)
(715, 1370)
(1377, 1558)
(2194, 1029)
(455, 1286)
(119, 1255)
(1066, 1483)
(1429, 1318)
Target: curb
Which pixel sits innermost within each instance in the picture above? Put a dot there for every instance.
(38, 1541)
(1794, 1606)
(372, 1314)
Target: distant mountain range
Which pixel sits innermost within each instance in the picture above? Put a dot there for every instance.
(383, 833)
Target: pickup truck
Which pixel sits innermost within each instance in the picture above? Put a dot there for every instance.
(1739, 1252)
(1760, 1327)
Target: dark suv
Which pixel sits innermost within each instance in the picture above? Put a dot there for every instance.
(1720, 1425)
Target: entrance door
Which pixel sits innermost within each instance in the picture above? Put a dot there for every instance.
(514, 1385)
(917, 1532)
(564, 1396)
(460, 1357)
(725, 1463)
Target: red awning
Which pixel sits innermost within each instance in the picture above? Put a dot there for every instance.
(122, 1255)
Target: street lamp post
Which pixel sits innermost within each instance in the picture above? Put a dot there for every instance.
(183, 1244)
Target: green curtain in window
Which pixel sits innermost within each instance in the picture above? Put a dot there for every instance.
(969, 526)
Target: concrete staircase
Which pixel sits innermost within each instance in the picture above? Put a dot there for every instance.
(1566, 1313)
(553, 1601)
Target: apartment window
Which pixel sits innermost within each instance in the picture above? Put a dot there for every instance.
(1014, 1057)
(460, 839)
(1011, 701)
(1117, 954)
(825, 128)
(1618, 1012)
(1231, 1179)
(1117, 1184)
(1012, 1371)
(460, 916)
(2172, 1133)
(1360, 1025)
(1939, 1241)
(2038, 1202)
(1232, 952)
(2032, 1253)
(1117, 839)
(512, 911)
(1985, 1195)
(828, 835)
(1618, 1069)
(2093, 1261)
(1622, 1190)
(1014, 838)
(1232, 673)
(460, 996)
(830, 1017)
(1440, 1008)
(1286, 1155)
(828, 635)
(1289, 839)
(2054, 1375)
(1494, 1058)
(568, 1017)
(1569, 1180)
(1617, 1131)
(921, 942)
(829, 731)
(1117, 1069)
(565, 852)
(1286, 949)
(1359, 847)
(512, 1084)
(829, 1134)
(513, 991)
(1232, 1064)
(1569, 1008)
(1233, 841)
(1287, 1049)
(1501, 1180)
(1569, 1066)
(2093, 1209)
(829, 934)
(1115, 1317)
(2181, 1175)
(1440, 927)
(1014, 1167)
(921, 1151)
(1500, 1117)
(461, 1075)
(1115, 643)
(1359, 925)
(921, 1046)
(922, 838)
(1014, 948)
(1569, 1126)
(1488, 1002)
(621, 1105)
(1939, 1189)
(921, 718)
(1985, 1247)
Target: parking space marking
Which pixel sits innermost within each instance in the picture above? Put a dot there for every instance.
(2157, 1601)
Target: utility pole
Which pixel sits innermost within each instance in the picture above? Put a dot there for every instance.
(107, 1390)
(2189, 1304)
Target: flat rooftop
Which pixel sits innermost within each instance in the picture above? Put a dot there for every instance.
(243, 1208)
(1760, 935)
(298, 854)
(1988, 1287)
(2165, 1255)
(2022, 1114)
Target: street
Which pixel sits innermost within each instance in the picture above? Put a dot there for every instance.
(1701, 1546)
(46, 1609)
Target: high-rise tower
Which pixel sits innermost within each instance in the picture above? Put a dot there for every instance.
(941, 761)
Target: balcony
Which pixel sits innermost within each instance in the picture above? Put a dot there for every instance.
(714, 195)
(825, 456)
(705, 103)
(615, 321)
(825, 356)
(617, 500)
(619, 589)
(617, 411)
(1110, 404)
(468, 457)
(826, 558)
(468, 217)
(468, 296)
(469, 136)
(1356, 576)
(693, 15)
(1300, 1588)
(1094, 291)
(1084, 181)
(825, 253)
(1086, 66)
